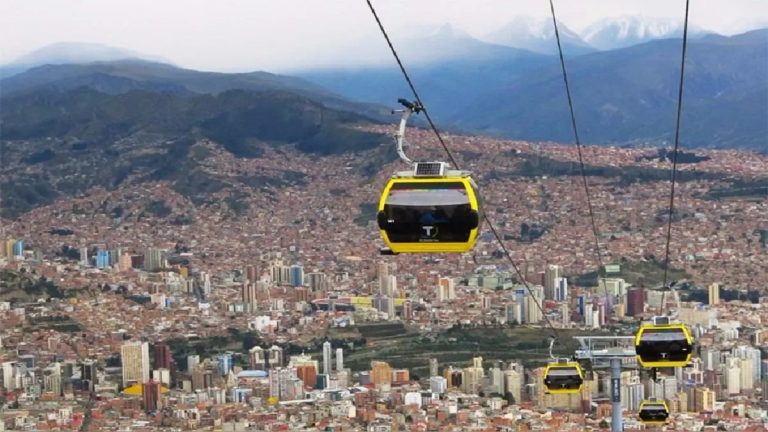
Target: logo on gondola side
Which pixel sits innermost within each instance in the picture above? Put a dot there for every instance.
(430, 230)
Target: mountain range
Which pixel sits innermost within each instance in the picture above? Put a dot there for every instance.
(621, 96)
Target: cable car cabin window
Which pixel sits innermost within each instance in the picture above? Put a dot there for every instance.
(428, 212)
(663, 345)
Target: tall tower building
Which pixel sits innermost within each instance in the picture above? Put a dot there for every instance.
(150, 394)
(327, 357)
(531, 308)
(551, 274)
(339, 359)
(163, 357)
(561, 289)
(275, 356)
(135, 359)
(251, 273)
(297, 275)
(513, 384)
(433, 367)
(153, 260)
(225, 363)
(249, 294)
(714, 294)
(381, 372)
(705, 400)
(256, 359)
(635, 302)
(388, 285)
(192, 362)
(446, 289)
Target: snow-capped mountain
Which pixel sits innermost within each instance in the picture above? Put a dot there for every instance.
(450, 43)
(621, 32)
(538, 35)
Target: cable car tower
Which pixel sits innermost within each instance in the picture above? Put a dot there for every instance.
(608, 351)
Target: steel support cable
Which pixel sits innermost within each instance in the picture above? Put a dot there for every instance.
(674, 153)
(456, 165)
(595, 232)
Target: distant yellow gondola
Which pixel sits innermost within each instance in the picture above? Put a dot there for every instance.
(653, 412)
(563, 377)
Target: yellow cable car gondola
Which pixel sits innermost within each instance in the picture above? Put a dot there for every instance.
(653, 411)
(430, 208)
(663, 344)
(563, 377)
(424, 214)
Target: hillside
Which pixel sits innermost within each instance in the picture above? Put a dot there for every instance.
(62, 143)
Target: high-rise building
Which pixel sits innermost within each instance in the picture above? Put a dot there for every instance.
(381, 372)
(251, 273)
(400, 375)
(135, 359)
(513, 383)
(551, 274)
(438, 384)
(150, 394)
(327, 357)
(635, 302)
(532, 305)
(154, 259)
(472, 378)
(339, 359)
(632, 390)
(297, 275)
(18, 249)
(307, 374)
(388, 285)
(102, 259)
(88, 375)
(704, 400)
(249, 294)
(752, 354)
(84, 256)
(514, 312)
(275, 356)
(163, 356)
(52, 379)
(565, 314)
(732, 375)
(433, 366)
(561, 289)
(192, 362)
(281, 274)
(714, 294)
(225, 363)
(125, 262)
(317, 281)
(446, 289)
(256, 358)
